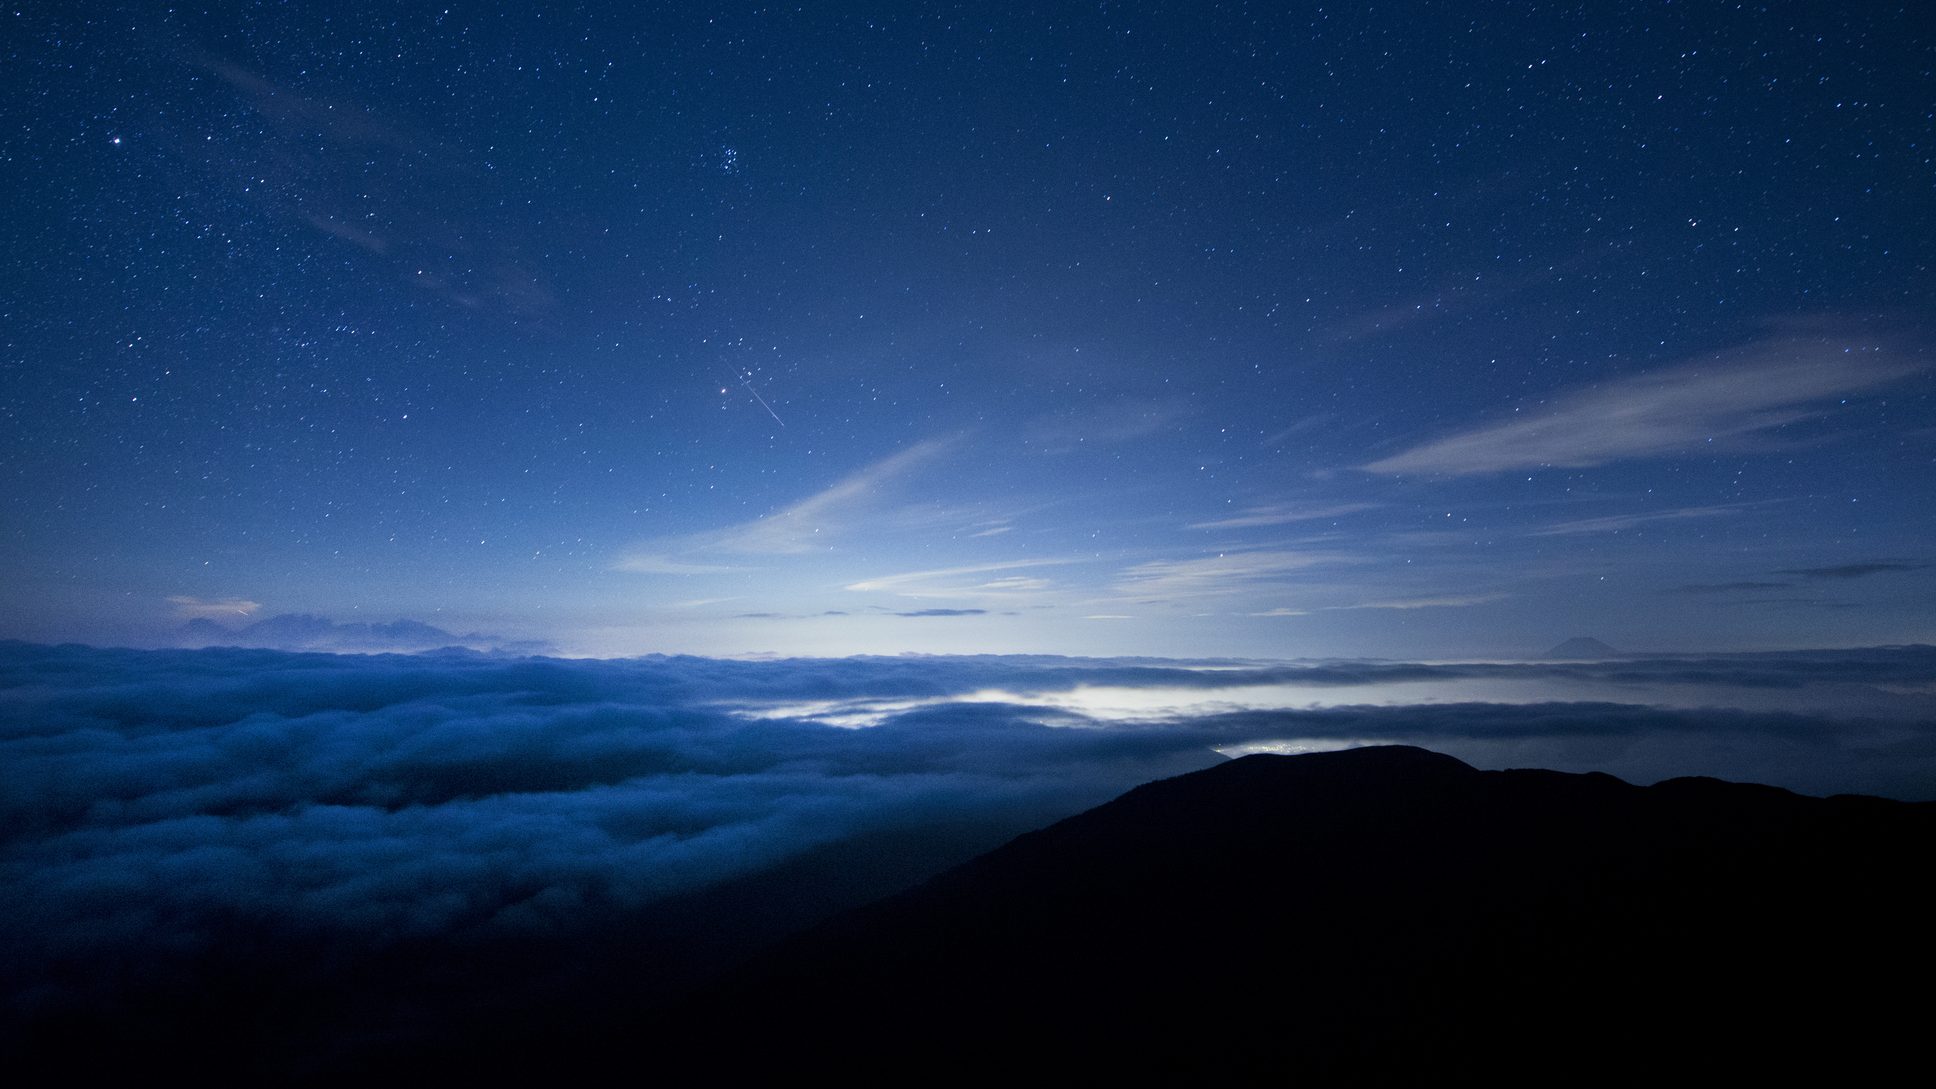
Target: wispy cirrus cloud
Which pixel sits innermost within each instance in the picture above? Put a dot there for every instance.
(1852, 570)
(859, 498)
(658, 563)
(1725, 399)
(770, 615)
(1119, 421)
(1223, 573)
(1295, 428)
(793, 530)
(965, 582)
(1834, 573)
(1700, 588)
(875, 610)
(1614, 523)
(942, 612)
(1446, 601)
(383, 186)
(1282, 514)
(227, 608)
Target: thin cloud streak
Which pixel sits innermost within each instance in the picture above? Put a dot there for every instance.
(793, 530)
(811, 524)
(1701, 588)
(1453, 601)
(652, 563)
(947, 582)
(1224, 573)
(1109, 424)
(1283, 515)
(1748, 392)
(1614, 523)
(228, 608)
(1852, 570)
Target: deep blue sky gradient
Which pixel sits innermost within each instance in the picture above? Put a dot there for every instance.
(1420, 329)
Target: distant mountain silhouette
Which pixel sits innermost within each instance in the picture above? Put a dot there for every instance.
(305, 631)
(1377, 915)
(1581, 646)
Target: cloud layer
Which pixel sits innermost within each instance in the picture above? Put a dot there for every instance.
(157, 804)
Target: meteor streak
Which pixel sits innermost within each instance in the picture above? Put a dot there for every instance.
(746, 381)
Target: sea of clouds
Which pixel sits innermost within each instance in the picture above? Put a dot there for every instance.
(158, 804)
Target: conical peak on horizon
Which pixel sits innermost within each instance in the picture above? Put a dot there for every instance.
(1583, 646)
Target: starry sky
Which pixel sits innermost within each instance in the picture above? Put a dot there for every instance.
(1420, 329)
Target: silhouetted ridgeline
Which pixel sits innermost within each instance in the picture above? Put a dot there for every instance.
(1381, 914)
(1377, 915)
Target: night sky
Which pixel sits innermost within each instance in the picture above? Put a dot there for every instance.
(1192, 329)
(510, 506)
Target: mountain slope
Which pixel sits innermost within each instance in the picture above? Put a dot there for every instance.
(1380, 914)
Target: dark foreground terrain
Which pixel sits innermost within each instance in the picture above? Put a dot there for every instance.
(1375, 915)
(1383, 914)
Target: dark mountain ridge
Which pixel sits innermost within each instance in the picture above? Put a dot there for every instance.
(1380, 915)
(1375, 915)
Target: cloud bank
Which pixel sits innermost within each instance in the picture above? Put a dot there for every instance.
(159, 805)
